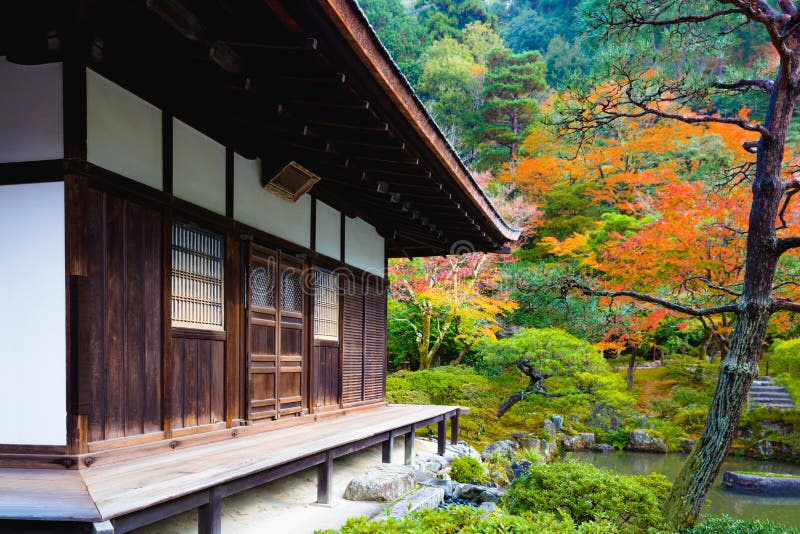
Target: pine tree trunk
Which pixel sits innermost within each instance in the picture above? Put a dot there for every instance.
(740, 367)
(425, 361)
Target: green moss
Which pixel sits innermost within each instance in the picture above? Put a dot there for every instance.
(763, 474)
(726, 524)
(467, 470)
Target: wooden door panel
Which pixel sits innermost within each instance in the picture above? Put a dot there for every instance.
(275, 335)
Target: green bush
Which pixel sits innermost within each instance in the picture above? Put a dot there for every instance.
(726, 524)
(469, 520)
(466, 469)
(587, 493)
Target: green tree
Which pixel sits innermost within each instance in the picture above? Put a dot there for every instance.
(400, 33)
(446, 18)
(540, 354)
(509, 105)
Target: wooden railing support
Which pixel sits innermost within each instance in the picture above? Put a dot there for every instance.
(454, 429)
(442, 437)
(209, 516)
(325, 480)
(387, 448)
(408, 445)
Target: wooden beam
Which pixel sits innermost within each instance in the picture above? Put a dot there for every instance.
(408, 446)
(441, 438)
(454, 429)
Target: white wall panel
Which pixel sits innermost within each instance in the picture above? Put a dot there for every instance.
(31, 112)
(123, 132)
(257, 207)
(363, 247)
(32, 315)
(198, 174)
(328, 233)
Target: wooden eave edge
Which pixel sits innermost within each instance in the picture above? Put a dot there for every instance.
(352, 24)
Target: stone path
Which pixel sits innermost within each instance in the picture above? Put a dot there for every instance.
(764, 392)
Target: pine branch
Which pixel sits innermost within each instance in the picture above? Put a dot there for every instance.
(746, 84)
(785, 305)
(651, 299)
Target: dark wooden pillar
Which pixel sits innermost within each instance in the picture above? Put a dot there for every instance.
(442, 437)
(408, 443)
(387, 448)
(209, 516)
(325, 480)
(454, 429)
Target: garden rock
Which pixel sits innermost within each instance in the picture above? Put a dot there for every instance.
(761, 484)
(488, 507)
(604, 448)
(426, 498)
(477, 494)
(504, 447)
(429, 463)
(572, 443)
(587, 438)
(550, 428)
(519, 468)
(686, 445)
(546, 448)
(385, 482)
(763, 448)
(525, 440)
(452, 452)
(641, 440)
(557, 420)
(445, 484)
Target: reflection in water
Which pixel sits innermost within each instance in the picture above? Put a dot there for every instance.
(780, 509)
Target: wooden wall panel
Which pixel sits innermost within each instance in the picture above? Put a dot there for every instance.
(326, 357)
(352, 341)
(124, 288)
(374, 341)
(197, 381)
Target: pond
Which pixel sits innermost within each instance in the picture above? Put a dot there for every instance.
(780, 509)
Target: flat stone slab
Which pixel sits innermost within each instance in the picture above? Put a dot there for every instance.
(777, 485)
(385, 482)
(426, 498)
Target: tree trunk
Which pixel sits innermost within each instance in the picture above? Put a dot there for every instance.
(740, 367)
(462, 354)
(631, 367)
(424, 344)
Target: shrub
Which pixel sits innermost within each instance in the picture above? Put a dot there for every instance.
(726, 524)
(469, 520)
(587, 493)
(466, 469)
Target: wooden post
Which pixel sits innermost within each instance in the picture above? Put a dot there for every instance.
(209, 516)
(408, 442)
(442, 437)
(454, 429)
(387, 448)
(103, 527)
(325, 480)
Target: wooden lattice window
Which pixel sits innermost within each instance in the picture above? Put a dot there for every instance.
(326, 305)
(197, 291)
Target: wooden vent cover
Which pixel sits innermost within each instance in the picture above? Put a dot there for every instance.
(292, 181)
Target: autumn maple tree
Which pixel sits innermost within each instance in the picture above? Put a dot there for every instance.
(653, 64)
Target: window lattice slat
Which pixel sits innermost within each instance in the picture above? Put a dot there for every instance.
(197, 291)
(291, 292)
(326, 305)
(262, 285)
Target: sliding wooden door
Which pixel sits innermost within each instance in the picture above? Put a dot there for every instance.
(275, 334)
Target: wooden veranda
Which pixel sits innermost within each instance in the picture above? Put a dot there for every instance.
(133, 492)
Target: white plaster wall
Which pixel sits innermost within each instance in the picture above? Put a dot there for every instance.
(32, 315)
(31, 112)
(363, 247)
(257, 207)
(123, 132)
(198, 168)
(328, 233)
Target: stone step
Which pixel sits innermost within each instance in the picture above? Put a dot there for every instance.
(426, 498)
(767, 388)
(768, 396)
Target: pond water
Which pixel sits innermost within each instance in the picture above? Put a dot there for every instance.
(780, 509)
